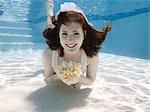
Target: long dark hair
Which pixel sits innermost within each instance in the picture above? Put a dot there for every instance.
(93, 38)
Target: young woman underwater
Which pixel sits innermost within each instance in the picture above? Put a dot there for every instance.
(72, 56)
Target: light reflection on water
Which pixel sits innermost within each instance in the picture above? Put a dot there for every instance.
(122, 84)
(125, 22)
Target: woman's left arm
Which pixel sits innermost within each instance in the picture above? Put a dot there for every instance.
(91, 72)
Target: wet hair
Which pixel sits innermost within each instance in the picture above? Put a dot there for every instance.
(92, 38)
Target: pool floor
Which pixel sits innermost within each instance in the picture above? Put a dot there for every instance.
(122, 85)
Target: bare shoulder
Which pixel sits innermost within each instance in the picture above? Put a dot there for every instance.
(47, 54)
(93, 60)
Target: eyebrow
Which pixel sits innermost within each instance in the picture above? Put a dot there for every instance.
(72, 31)
(64, 31)
(75, 31)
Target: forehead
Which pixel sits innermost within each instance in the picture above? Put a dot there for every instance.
(71, 26)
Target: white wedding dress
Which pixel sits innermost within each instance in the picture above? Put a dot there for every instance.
(56, 61)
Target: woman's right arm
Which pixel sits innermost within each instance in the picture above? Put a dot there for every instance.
(50, 10)
(47, 63)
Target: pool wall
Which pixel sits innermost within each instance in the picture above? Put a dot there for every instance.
(129, 20)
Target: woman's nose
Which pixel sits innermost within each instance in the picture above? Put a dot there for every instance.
(71, 37)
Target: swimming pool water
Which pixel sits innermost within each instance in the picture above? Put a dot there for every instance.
(22, 23)
(122, 83)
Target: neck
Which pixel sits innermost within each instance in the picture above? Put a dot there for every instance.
(72, 56)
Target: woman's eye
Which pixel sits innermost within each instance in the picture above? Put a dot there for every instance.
(64, 34)
(76, 33)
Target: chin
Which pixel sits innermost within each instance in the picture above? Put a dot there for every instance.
(72, 51)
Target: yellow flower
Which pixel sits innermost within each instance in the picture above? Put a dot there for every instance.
(69, 72)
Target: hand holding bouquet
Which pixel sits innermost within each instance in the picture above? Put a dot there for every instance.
(69, 72)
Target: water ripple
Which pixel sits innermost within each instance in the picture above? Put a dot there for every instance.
(122, 89)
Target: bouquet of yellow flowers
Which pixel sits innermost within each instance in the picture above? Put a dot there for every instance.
(69, 72)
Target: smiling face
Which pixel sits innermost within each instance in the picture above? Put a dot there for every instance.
(71, 37)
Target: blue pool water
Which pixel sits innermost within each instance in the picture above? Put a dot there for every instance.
(122, 83)
(22, 23)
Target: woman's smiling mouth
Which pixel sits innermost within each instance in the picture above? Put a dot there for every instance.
(71, 45)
